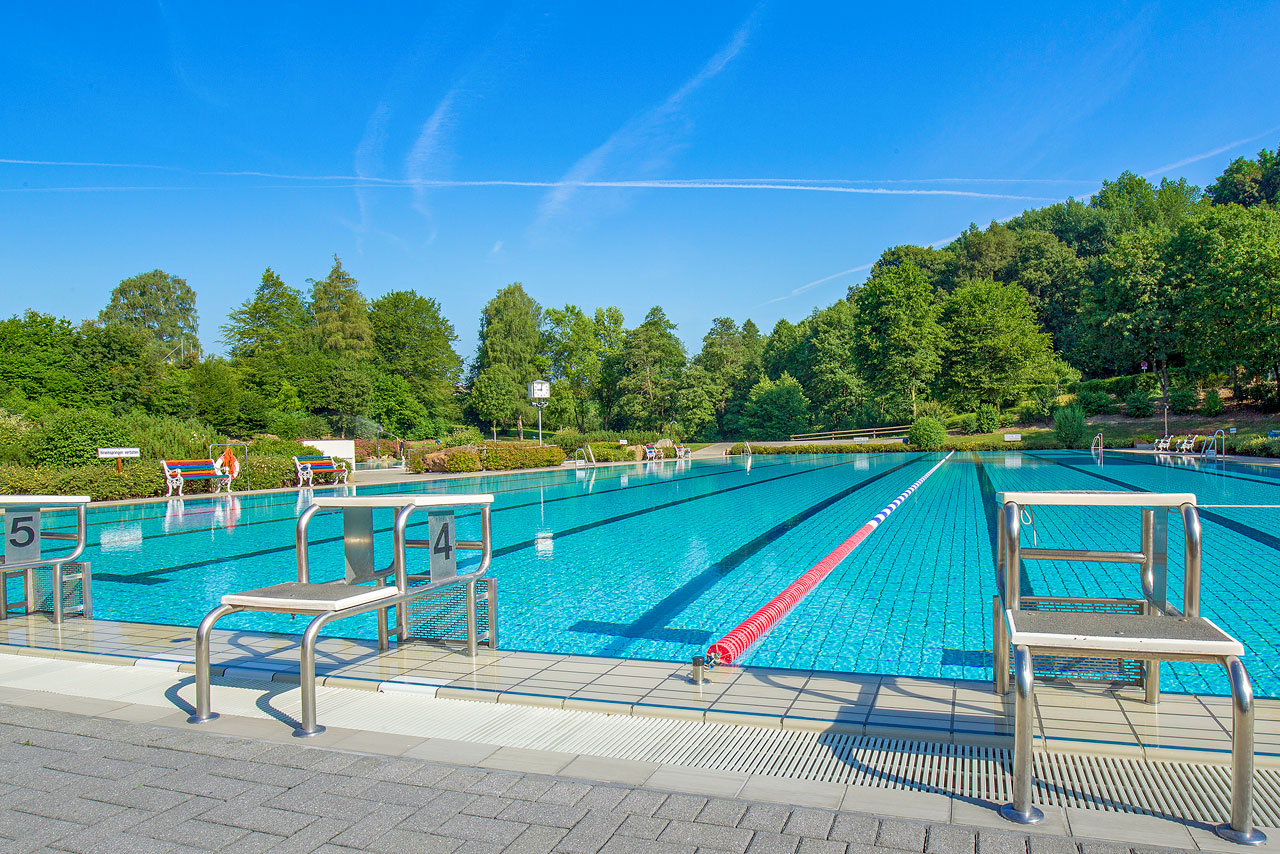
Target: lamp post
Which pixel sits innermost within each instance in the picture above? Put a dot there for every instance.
(539, 396)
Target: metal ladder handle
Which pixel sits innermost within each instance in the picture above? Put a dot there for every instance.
(1021, 810)
(1240, 829)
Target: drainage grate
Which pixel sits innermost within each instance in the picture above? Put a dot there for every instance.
(1183, 790)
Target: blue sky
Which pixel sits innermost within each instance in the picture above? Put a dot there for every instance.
(717, 159)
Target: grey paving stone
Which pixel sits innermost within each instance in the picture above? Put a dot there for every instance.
(438, 810)
(382, 768)
(386, 792)
(494, 784)
(483, 829)
(529, 788)
(259, 843)
(429, 775)
(997, 842)
(630, 845)
(78, 810)
(401, 841)
(1088, 847)
(1051, 845)
(682, 807)
(643, 826)
(602, 797)
(195, 833)
(461, 779)
(900, 835)
(947, 839)
(809, 845)
(103, 834)
(642, 802)
(118, 843)
(382, 819)
(262, 819)
(723, 812)
(765, 817)
(855, 827)
(589, 835)
(768, 842)
(551, 815)
(565, 793)
(536, 840)
(706, 835)
(264, 772)
(808, 822)
(488, 806)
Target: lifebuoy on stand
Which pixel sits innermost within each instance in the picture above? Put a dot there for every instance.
(229, 464)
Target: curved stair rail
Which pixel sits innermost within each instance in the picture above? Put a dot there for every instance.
(588, 458)
(1210, 448)
(1096, 445)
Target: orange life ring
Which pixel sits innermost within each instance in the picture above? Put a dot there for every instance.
(230, 463)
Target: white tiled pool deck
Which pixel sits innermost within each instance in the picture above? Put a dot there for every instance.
(1080, 719)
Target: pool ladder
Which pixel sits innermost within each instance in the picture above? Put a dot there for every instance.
(586, 455)
(1095, 447)
(1210, 448)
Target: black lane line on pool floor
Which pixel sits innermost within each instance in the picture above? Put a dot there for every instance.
(149, 576)
(653, 624)
(212, 508)
(1261, 537)
(991, 509)
(1124, 461)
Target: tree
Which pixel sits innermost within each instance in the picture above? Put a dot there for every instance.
(836, 384)
(159, 303)
(897, 343)
(777, 410)
(494, 397)
(610, 335)
(995, 352)
(1248, 182)
(1134, 311)
(264, 323)
(341, 314)
(574, 348)
(414, 342)
(511, 337)
(651, 361)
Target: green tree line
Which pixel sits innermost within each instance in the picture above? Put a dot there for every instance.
(1184, 279)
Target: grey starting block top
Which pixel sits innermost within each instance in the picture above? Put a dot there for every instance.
(1097, 498)
(1129, 634)
(297, 597)
(403, 500)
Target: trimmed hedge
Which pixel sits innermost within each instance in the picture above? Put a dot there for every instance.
(140, 479)
(507, 457)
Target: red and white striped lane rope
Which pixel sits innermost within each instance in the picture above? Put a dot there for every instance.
(736, 642)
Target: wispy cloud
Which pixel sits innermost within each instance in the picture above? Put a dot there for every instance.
(646, 140)
(427, 148)
(88, 163)
(1178, 164)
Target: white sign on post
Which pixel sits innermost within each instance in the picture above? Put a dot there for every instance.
(21, 534)
(444, 545)
(118, 453)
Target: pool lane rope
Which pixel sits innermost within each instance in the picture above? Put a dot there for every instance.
(738, 641)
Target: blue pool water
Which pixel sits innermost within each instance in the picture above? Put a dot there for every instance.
(658, 560)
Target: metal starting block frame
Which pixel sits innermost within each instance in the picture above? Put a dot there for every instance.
(60, 586)
(366, 588)
(1138, 633)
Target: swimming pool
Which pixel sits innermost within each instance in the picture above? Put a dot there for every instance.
(658, 560)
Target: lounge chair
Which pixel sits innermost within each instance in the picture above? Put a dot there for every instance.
(1162, 444)
(1188, 445)
(653, 452)
(681, 452)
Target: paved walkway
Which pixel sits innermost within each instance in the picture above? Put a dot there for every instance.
(88, 784)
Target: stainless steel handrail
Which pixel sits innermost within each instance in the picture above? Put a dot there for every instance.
(1210, 448)
(1152, 560)
(398, 569)
(1096, 446)
(80, 538)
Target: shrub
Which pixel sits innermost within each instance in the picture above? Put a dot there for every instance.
(462, 436)
(1143, 439)
(1029, 414)
(614, 453)
(1212, 403)
(462, 460)
(1138, 404)
(1094, 402)
(987, 419)
(927, 434)
(1183, 400)
(70, 437)
(1008, 418)
(968, 423)
(1069, 426)
(280, 447)
(932, 409)
(296, 425)
(505, 457)
(268, 471)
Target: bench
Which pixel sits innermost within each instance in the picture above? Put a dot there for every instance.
(178, 472)
(309, 467)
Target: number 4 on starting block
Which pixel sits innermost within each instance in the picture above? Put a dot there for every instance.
(444, 549)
